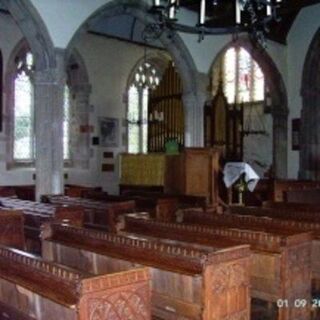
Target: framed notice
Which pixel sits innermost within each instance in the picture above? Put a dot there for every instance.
(296, 123)
(109, 132)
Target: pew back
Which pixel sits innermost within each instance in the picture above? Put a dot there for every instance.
(11, 228)
(44, 290)
(272, 274)
(187, 281)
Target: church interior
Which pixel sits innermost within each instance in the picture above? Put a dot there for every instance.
(159, 160)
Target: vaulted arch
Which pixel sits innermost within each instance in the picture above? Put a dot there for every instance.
(193, 100)
(34, 31)
(277, 89)
(310, 113)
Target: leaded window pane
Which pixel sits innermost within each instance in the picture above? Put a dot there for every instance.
(243, 78)
(146, 78)
(230, 75)
(66, 124)
(23, 120)
(144, 128)
(133, 138)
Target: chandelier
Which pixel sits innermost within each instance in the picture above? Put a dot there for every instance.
(252, 16)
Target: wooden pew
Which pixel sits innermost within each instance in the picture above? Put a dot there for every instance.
(98, 214)
(32, 288)
(161, 205)
(292, 206)
(36, 213)
(311, 196)
(264, 223)
(77, 191)
(278, 213)
(11, 228)
(280, 266)
(282, 186)
(188, 281)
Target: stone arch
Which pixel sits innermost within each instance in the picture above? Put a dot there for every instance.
(34, 30)
(192, 98)
(20, 49)
(1, 89)
(278, 94)
(310, 113)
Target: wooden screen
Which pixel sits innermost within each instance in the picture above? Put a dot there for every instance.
(1, 88)
(223, 126)
(166, 99)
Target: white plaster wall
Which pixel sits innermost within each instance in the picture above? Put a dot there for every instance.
(300, 36)
(109, 63)
(10, 36)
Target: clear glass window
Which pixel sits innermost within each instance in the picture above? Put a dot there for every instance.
(23, 123)
(146, 78)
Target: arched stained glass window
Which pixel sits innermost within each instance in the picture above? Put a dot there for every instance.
(243, 78)
(145, 78)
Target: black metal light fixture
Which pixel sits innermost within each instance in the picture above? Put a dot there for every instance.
(258, 13)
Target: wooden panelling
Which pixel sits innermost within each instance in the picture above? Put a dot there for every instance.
(187, 280)
(11, 228)
(32, 288)
(280, 265)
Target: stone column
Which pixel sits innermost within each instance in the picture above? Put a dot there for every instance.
(310, 136)
(193, 121)
(48, 104)
(80, 129)
(280, 142)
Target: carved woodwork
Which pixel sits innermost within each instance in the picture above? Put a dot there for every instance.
(223, 126)
(43, 290)
(184, 279)
(11, 228)
(281, 219)
(167, 99)
(273, 276)
(98, 214)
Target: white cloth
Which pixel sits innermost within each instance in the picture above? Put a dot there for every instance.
(233, 170)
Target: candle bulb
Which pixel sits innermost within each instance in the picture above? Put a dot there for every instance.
(238, 12)
(172, 9)
(269, 12)
(202, 12)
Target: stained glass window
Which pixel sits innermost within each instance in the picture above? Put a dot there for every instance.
(66, 123)
(243, 78)
(145, 78)
(23, 145)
